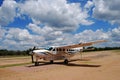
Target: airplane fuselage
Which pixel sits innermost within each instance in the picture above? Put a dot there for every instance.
(52, 53)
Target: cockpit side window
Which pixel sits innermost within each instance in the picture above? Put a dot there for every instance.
(49, 48)
(54, 49)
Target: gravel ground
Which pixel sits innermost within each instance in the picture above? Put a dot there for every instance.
(102, 65)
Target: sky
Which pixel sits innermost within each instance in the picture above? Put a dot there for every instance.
(42, 23)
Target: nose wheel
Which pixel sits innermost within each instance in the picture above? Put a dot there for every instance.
(36, 63)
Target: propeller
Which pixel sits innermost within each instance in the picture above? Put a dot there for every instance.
(31, 53)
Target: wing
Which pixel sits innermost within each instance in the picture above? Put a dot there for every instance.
(83, 44)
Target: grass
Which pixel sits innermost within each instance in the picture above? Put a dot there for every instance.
(11, 65)
(116, 51)
(13, 57)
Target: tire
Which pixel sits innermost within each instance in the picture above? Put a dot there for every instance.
(36, 64)
(51, 61)
(65, 61)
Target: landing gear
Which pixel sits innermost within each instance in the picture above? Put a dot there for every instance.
(51, 61)
(66, 61)
(36, 63)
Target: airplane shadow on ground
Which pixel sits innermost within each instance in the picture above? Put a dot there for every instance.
(82, 65)
(69, 64)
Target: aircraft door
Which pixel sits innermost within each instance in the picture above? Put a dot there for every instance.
(54, 51)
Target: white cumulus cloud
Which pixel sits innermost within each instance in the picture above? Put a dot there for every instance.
(18, 34)
(7, 12)
(108, 10)
(57, 14)
(2, 32)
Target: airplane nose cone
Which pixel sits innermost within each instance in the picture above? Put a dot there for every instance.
(30, 52)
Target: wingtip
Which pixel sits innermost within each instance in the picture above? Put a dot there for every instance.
(104, 40)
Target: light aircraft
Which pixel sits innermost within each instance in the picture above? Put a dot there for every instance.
(60, 53)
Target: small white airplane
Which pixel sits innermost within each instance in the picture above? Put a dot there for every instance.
(60, 53)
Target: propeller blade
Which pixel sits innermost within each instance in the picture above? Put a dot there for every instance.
(31, 53)
(32, 58)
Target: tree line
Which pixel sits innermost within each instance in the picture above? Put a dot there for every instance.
(5, 52)
(101, 48)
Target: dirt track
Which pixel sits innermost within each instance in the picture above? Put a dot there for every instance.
(103, 65)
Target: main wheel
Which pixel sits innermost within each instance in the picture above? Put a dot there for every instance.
(66, 61)
(51, 61)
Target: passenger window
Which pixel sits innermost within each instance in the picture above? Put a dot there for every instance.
(59, 49)
(54, 49)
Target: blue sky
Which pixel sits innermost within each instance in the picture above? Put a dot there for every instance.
(28, 23)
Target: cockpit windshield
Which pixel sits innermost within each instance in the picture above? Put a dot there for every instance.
(49, 48)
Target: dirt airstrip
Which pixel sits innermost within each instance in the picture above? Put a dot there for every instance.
(100, 65)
